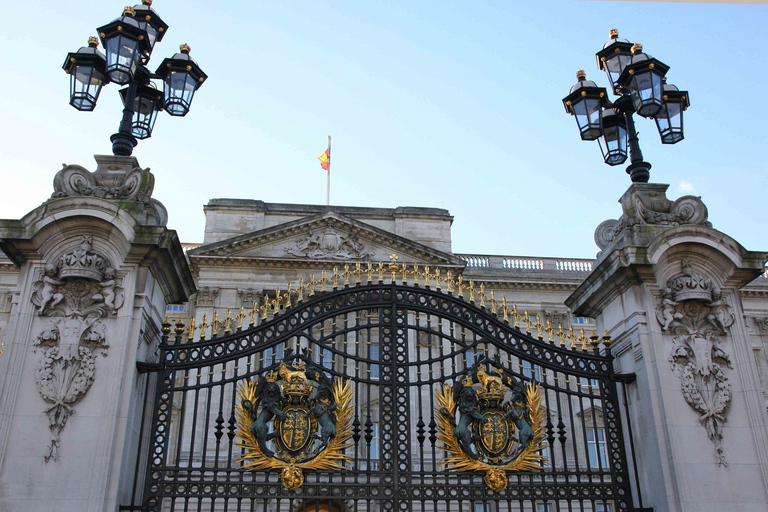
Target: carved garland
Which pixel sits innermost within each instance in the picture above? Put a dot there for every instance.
(75, 294)
(693, 310)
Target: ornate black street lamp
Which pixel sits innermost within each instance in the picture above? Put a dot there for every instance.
(639, 81)
(129, 41)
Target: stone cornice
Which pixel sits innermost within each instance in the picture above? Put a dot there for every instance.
(527, 286)
(199, 262)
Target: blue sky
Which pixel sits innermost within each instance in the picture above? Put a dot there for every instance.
(445, 104)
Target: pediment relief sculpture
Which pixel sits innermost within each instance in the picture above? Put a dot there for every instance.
(329, 243)
(693, 310)
(74, 294)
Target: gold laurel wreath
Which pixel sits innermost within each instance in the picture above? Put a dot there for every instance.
(530, 459)
(332, 457)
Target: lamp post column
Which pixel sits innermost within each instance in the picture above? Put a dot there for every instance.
(638, 170)
(123, 141)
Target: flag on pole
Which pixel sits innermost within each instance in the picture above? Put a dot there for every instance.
(325, 159)
(325, 163)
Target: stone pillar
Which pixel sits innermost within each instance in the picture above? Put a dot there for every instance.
(97, 267)
(666, 286)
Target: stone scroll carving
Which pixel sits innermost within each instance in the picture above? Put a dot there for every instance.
(114, 183)
(648, 204)
(693, 310)
(329, 244)
(74, 295)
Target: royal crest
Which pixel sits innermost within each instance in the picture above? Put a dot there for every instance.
(500, 424)
(310, 416)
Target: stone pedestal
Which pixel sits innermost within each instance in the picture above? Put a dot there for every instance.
(666, 286)
(97, 267)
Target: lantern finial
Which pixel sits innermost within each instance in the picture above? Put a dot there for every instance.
(614, 33)
(581, 75)
(93, 42)
(129, 11)
(184, 48)
(637, 48)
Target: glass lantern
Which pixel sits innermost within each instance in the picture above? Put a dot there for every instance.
(613, 142)
(614, 57)
(585, 102)
(669, 120)
(148, 101)
(86, 69)
(151, 22)
(643, 78)
(181, 78)
(126, 42)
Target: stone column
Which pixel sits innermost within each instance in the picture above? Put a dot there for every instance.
(666, 286)
(97, 267)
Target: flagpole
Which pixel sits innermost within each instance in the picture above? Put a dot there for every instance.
(328, 188)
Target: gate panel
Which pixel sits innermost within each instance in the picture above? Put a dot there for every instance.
(397, 345)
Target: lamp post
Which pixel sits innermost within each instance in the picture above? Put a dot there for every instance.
(129, 41)
(639, 81)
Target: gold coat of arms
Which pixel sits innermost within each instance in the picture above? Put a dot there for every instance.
(490, 421)
(294, 418)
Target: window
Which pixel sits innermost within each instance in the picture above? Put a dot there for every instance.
(603, 507)
(580, 320)
(174, 308)
(531, 371)
(482, 507)
(471, 358)
(585, 382)
(544, 507)
(547, 462)
(374, 448)
(373, 355)
(274, 354)
(326, 358)
(596, 449)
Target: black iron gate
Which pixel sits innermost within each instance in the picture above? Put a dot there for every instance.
(396, 343)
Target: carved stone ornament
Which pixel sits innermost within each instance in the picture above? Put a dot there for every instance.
(491, 434)
(248, 296)
(647, 203)
(206, 296)
(305, 423)
(329, 244)
(74, 294)
(113, 180)
(693, 310)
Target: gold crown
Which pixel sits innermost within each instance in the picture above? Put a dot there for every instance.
(271, 376)
(492, 390)
(297, 387)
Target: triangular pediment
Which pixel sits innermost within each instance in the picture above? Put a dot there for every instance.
(328, 237)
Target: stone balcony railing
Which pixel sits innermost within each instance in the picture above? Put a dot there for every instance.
(485, 261)
(481, 261)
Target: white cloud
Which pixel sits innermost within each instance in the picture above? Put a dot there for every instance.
(686, 187)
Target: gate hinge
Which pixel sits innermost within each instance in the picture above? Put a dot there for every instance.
(628, 378)
(146, 367)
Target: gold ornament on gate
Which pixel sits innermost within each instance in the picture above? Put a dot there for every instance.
(294, 418)
(490, 434)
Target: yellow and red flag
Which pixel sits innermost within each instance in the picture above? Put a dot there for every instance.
(325, 159)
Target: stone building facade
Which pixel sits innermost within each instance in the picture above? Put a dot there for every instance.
(88, 278)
